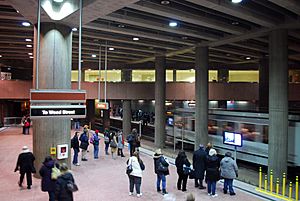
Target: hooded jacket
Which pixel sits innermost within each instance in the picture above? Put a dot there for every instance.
(47, 183)
(61, 191)
(229, 168)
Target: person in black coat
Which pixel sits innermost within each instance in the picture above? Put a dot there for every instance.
(199, 164)
(61, 191)
(84, 143)
(182, 175)
(25, 166)
(161, 170)
(212, 172)
(75, 146)
(48, 185)
(131, 139)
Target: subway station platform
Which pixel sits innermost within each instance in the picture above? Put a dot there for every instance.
(102, 179)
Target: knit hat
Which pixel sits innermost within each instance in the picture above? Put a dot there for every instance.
(212, 152)
(25, 149)
(228, 154)
(158, 152)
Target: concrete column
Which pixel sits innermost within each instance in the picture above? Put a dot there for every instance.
(264, 84)
(223, 75)
(160, 97)
(54, 73)
(174, 76)
(201, 87)
(90, 113)
(278, 102)
(126, 75)
(126, 117)
(83, 75)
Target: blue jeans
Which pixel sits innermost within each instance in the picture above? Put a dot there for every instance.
(228, 183)
(75, 158)
(96, 151)
(162, 178)
(106, 148)
(51, 195)
(211, 187)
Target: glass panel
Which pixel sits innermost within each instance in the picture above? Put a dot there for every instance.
(112, 75)
(243, 76)
(143, 75)
(185, 75)
(169, 75)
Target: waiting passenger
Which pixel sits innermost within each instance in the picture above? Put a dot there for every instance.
(132, 141)
(106, 140)
(75, 146)
(208, 147)
(48, 184)
(161, 170)
(65, 185)
(229, 171)
(113, 145)
(135, 177)
(25, 166)
(212, 172)
(84, 139)
(199, 164)
(182, 163)
(120, 143)
(95, 141)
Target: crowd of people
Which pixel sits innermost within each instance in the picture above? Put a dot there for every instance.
(58, 181)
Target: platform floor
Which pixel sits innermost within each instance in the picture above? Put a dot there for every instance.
(98, 180)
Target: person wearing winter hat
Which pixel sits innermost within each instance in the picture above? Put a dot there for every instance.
(25, 166)
(161, 170)
(212, 172)
(95, 141)
(229, 171)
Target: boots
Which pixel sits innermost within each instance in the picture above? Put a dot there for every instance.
(164, 191)
(158, 190)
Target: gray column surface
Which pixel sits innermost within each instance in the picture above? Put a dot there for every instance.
(264, 84)
(278, 103)
(160, 96)
(90, 112)
(201, 93)
(126, 117)
(54, 73)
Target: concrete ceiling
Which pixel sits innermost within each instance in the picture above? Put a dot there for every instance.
(232, 31)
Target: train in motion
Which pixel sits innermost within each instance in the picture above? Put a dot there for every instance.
(253, 126)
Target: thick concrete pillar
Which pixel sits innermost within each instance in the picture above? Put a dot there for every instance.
(160, 97)
(54, 73)
(264, 84)
(201, 87)
(223, 75)
(126, 75)
(126, 117)
(278, 102)
(90, 112)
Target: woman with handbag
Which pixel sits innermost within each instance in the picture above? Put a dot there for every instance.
(135, 167)
(25, 166)
(113, 145)
(161, 170)
(183, 170)
(48, 184)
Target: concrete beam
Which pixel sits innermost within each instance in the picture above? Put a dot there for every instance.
(291, 5)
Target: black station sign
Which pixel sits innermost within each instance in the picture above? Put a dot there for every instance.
(76, 111)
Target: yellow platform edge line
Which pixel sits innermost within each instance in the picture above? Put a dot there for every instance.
(272, 194)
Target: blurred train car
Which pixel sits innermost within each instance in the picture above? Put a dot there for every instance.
(252, 125)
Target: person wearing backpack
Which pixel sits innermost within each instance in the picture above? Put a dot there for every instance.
(48, 184)
(75, 146)
(95, 141)
(131, 141)
(161, 170)
(63, 192)
(106, 140)
(120, 140)
(84, 139)
(182, 165)
(113, 145)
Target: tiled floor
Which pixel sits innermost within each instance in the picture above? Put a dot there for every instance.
(98, 180)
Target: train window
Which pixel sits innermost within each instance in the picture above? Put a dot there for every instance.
(265, 134)
(212, 127)
(248, 131)
(227, 126)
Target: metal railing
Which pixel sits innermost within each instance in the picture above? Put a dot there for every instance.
(12, 121)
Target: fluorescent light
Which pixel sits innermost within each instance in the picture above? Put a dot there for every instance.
(26, 24)
(28, 40)
(164, 2)
(236, 1)
(135, 38)
(28, 45)
(89, 69)
(173, 24)
(74, 29)
(30, 53)
(121, 25)
(0, 56)
(93, 55)
(248, 58)
(17, 11)
(31, 57)
(111, 49)
(58, 1)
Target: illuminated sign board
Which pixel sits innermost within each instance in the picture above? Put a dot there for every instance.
(102, 106)
(72, 111)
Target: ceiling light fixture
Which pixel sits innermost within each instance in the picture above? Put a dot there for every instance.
(28, 45)
(31, 57)
(0, 56)
(165, 2)
(236, 1)
(74, 29)
(184, 37)
(173, 24)
(135, 38)
(17, 11)
(121, 25)
(94, 56)
(26, 24)
(8, 68)
(248, 58)
(30, 54)
(28, 40)
(58, 1)
(111, 49)
(235, 23)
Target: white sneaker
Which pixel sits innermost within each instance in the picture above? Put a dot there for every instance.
(215, 195)
(77, 164)
(139, 195)
(209, 194)
(130, 193)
